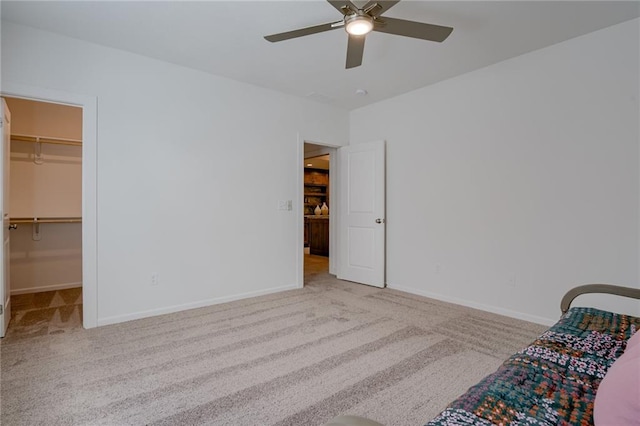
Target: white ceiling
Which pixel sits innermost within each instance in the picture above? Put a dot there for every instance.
(225, 38)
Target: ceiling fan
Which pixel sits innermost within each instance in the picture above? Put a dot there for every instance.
(358, 22)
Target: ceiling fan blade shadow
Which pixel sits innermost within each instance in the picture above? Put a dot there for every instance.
(301, 32)
(344, 6)
(355, 50)
(412, 29)
(376, 8)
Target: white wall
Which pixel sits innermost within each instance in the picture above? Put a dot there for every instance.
(190, 168)
(511, 184)
(50, 189)
(53, 188)
(45, 119)
(53, 262)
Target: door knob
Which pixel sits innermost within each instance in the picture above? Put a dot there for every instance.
(379, 220)
(13, 226)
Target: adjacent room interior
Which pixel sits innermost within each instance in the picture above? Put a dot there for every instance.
(316, 210)
(45, 260)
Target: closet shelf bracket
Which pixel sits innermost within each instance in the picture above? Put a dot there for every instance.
(37, 152)
(36, 236)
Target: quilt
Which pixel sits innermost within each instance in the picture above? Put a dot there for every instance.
(554, 380)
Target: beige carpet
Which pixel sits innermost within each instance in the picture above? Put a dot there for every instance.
(47, 312)
(299, 357)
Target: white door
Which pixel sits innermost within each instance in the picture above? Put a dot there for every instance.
(362, 213)
(5, 156)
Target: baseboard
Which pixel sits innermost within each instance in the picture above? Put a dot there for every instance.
(185, 306)
(470, 304)
(40, 289)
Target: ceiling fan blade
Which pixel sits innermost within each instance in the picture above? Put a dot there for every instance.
(412, 29)
(376, 8)
(301, 32)
(344, 6)
(355, 49)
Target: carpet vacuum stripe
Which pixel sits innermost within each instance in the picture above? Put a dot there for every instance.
(297, 357)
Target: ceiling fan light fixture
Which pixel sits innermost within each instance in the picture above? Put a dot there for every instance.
(359, 24)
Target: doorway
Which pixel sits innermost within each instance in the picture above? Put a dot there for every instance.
(318, 201)
(45, 208)
(88, 105)
(357, 232)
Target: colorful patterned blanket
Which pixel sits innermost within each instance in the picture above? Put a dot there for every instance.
(551, 382)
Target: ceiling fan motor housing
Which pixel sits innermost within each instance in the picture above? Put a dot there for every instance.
(358, 24)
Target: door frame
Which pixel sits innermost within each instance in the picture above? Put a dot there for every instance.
(89, 105)
(334, 243)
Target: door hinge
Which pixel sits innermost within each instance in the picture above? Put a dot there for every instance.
(1, 309)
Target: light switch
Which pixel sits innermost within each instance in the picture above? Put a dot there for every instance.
(285, 205)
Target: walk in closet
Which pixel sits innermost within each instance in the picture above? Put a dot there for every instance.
(46, 217)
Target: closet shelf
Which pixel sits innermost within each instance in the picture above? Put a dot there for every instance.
(38, 139)
(16, 220)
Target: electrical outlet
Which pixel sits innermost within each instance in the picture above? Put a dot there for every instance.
(154, 279)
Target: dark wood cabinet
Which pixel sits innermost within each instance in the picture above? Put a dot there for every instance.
(306, 232)
(318, 236)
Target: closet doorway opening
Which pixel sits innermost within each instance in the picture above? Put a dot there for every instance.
(318, 205)
(45, 192)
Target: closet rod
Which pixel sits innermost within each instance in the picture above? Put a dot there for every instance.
(16, 220)
(37, 139)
